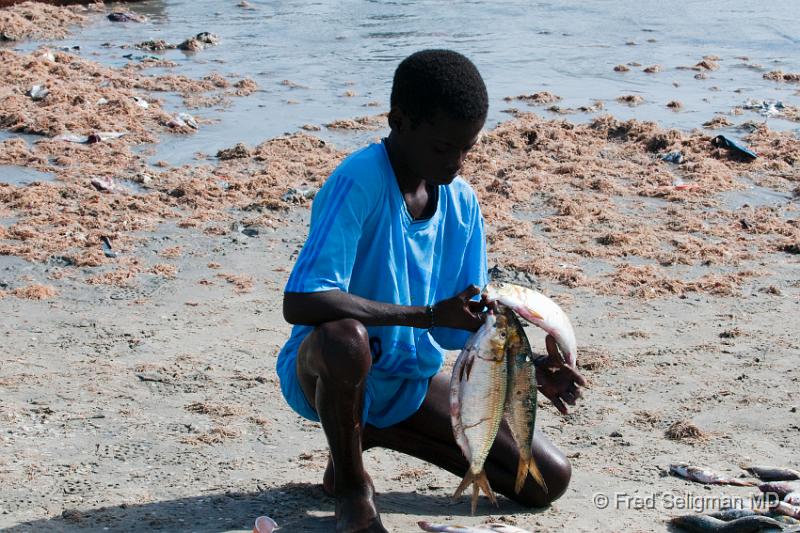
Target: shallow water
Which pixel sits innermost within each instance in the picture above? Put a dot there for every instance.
(21, 175)
(568, 48)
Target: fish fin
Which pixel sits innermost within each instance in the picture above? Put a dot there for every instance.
(469, 477)
(522, 473)
(528, 314)
(475, 493)
(533, 468)
(483, 482)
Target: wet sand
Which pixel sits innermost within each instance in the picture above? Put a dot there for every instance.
(138, 381)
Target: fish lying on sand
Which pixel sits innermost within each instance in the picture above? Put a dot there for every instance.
(521, 399)
(765, 473)
(540, 311)
(699, 523)
(694, 473)
(487, 528)
(732, 514)
(781, 488)
(787, 509)
(477, 398)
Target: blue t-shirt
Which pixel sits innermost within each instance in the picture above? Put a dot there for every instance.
(363, 241)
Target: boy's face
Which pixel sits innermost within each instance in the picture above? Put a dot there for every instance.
(435, 149)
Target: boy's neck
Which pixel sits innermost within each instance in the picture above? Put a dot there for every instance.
(406, 180)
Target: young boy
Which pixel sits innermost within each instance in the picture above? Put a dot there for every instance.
(385, 283)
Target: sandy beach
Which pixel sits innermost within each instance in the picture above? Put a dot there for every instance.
(141, 301)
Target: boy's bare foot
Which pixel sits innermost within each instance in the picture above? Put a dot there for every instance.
(356, 511)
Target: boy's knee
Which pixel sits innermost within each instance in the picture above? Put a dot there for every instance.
(344, 347)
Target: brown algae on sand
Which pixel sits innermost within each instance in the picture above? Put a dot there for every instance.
(685, 430)
(600, 188)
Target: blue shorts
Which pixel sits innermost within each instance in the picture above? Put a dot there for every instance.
(387, 400)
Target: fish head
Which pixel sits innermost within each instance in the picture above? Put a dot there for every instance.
(499, 336)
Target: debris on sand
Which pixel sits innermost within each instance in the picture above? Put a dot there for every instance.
(125, 16)
(370, 122)
(653, 69)
(214, 409)
(779, 75)
(735, 149)
(182, 122)
(35, 291)
(675, 105)
(199, 42)
(719, 121)
(707, 64)
(621, 68)
(239, 151)
(216, 435)
(157, 45)
(630, 99)
(540, 98)
(35, 20)
(685, 430)
(242, 283)
(594, 359)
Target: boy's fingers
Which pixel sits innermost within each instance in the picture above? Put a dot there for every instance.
(576, 377)
(559, 405)
(471, 291)
(552, 347)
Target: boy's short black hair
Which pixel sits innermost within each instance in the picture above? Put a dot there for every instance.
(439, 80)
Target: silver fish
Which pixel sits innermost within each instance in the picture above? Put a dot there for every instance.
(540, 311)
(693, 473)
(477, 398)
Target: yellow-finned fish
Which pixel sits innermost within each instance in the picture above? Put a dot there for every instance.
(521, 399)
(540, 311)
(477, 399)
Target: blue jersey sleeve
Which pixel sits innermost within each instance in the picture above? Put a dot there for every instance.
(338, 215)
(474, 271)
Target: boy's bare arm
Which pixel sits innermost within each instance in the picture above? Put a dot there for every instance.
(313, 308)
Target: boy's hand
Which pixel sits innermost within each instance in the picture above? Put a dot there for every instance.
(460, 311)
(559, 382)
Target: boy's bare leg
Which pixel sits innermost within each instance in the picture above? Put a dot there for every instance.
(427, 435)
(332, 366)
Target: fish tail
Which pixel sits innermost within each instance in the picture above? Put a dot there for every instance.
(522, 473)
(482, 483)
(469, 477)
(479, 482)
(533, 468)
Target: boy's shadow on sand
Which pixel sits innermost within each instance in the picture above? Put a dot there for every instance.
(295, 506)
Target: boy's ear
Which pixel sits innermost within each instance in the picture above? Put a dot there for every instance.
(398, 121)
